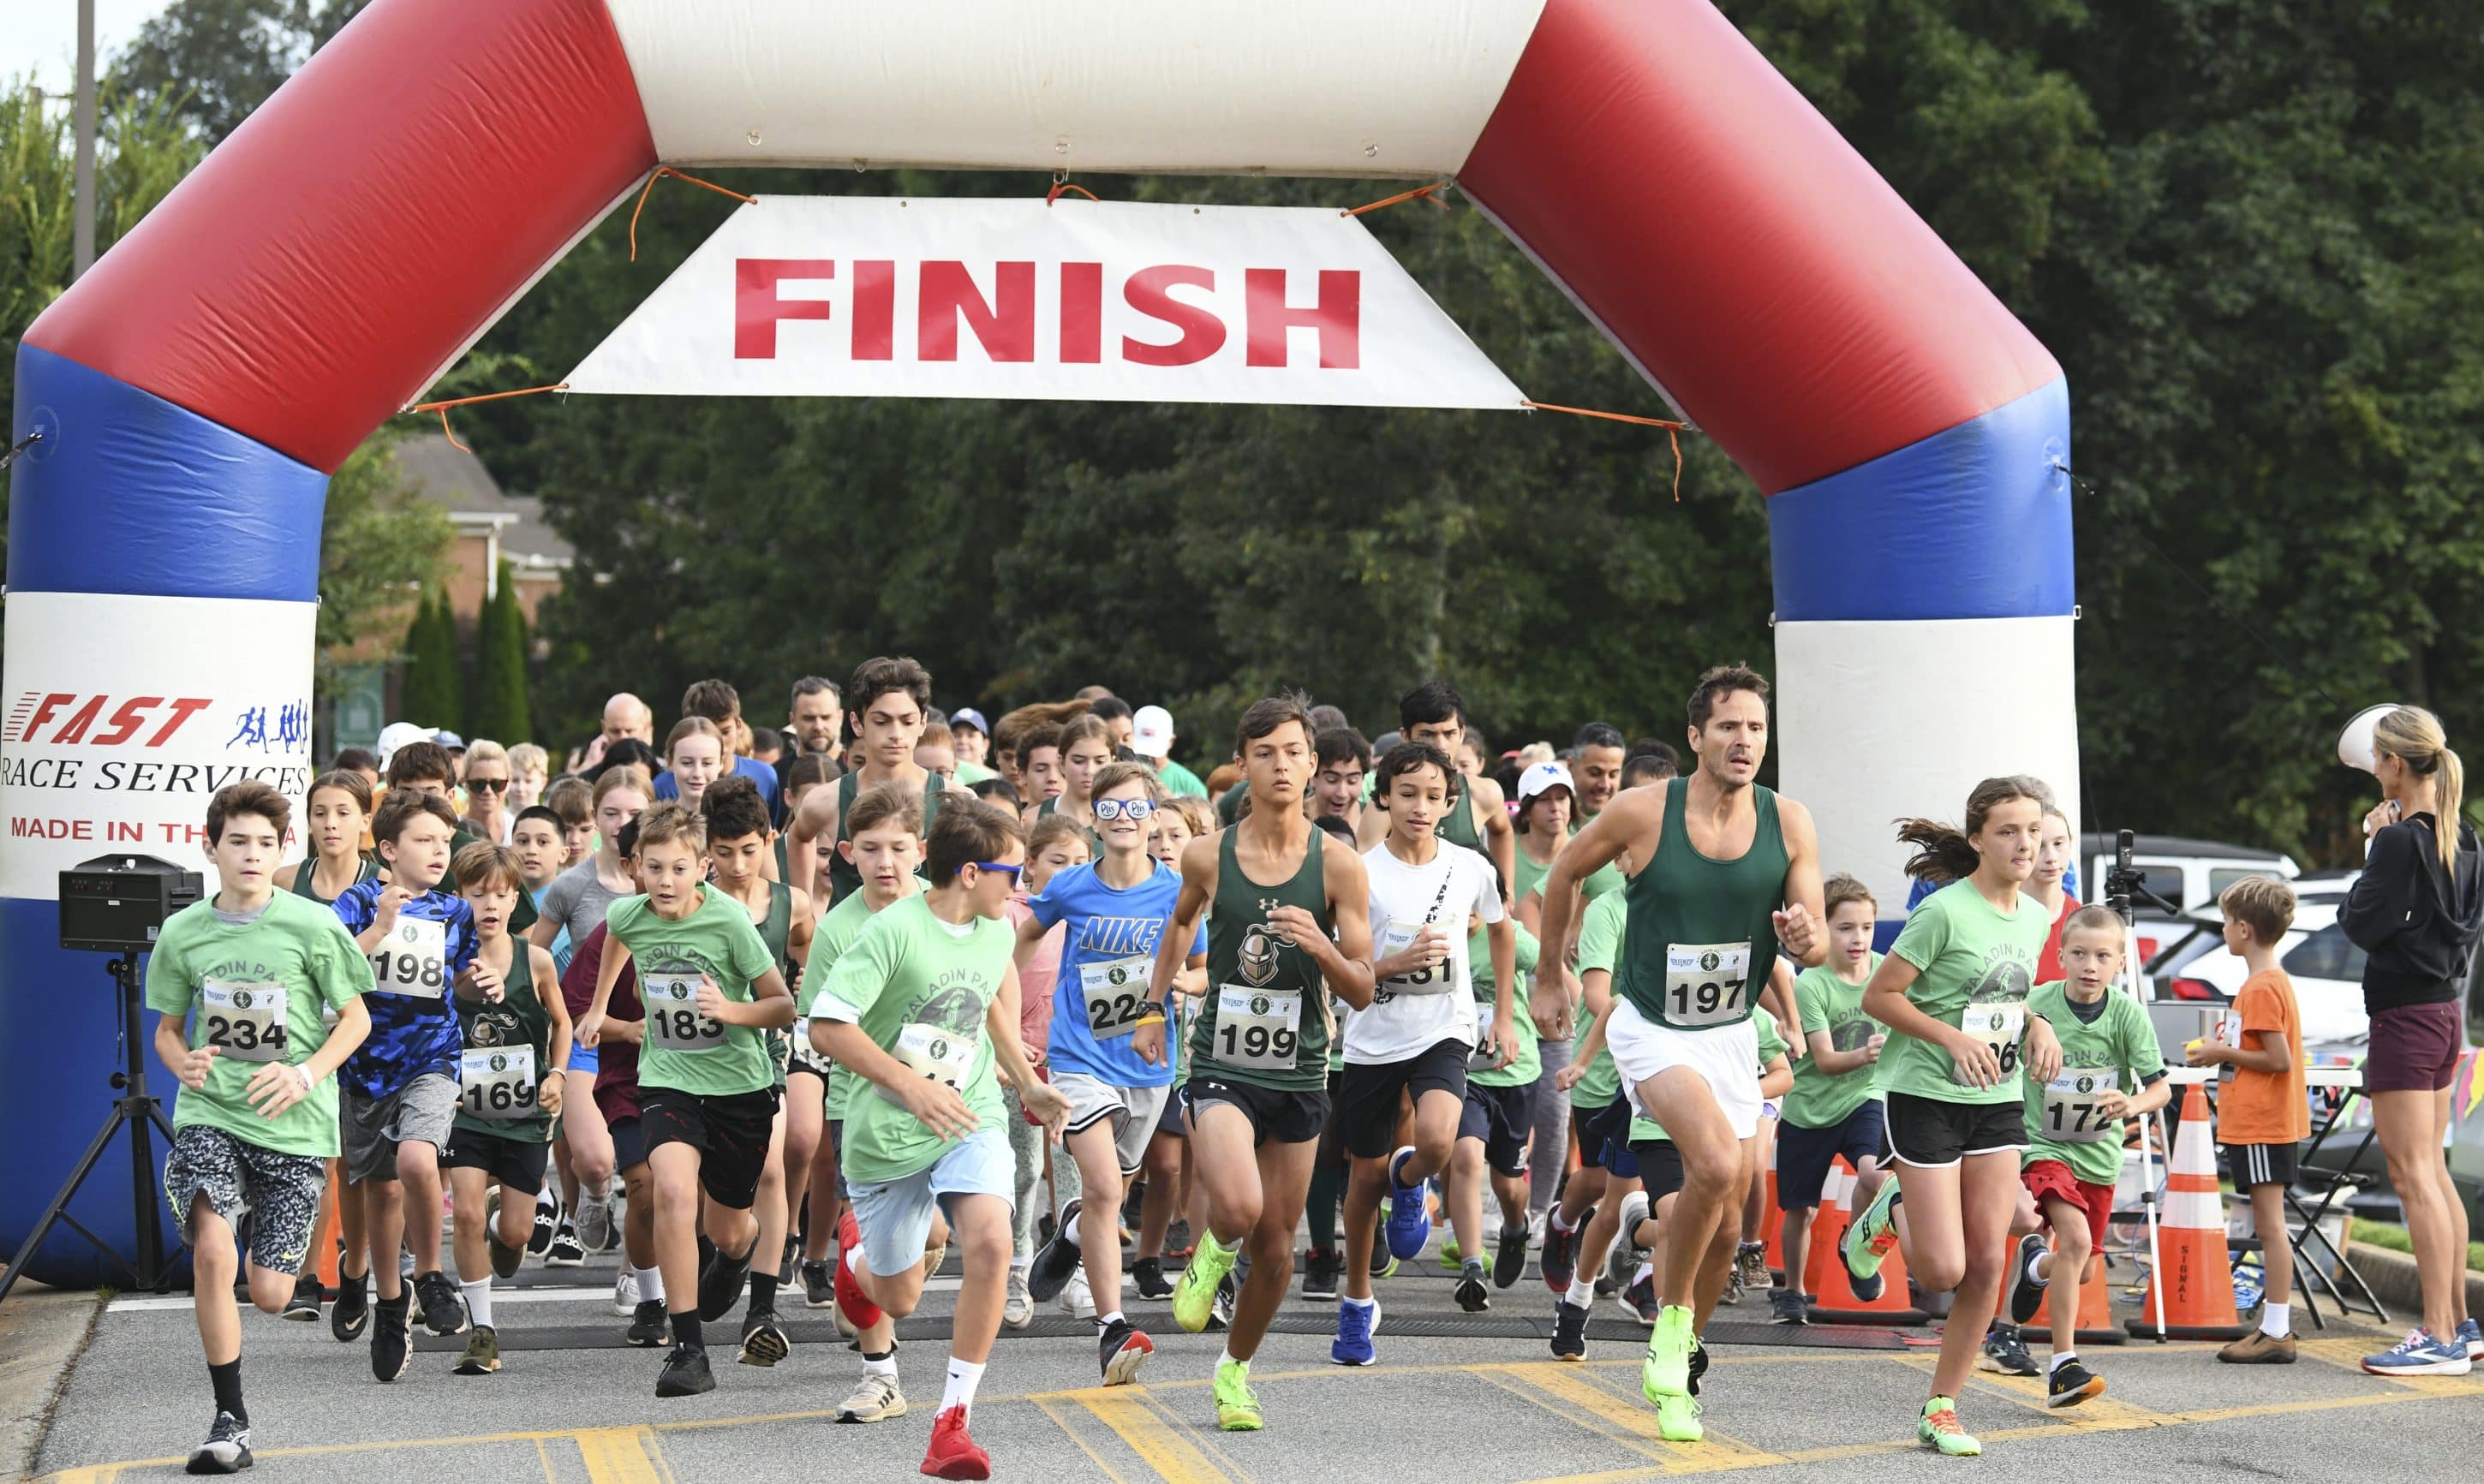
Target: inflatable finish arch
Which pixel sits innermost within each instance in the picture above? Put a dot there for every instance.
(375, 216)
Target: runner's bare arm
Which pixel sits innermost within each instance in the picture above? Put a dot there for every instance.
(1777, 1079)
(1345, 962)
(817, 816)
(1197, 889)
(1778, 994)
(1801, 926)
(1633, 813)
(544, 934)
(608, 973)
(1600, 1003)
(1499, 836)
(770, 1007)
(1030, 934)
(1885, 1000)
(797, 933)
(539, 964)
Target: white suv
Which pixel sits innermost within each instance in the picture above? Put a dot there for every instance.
(2327, 971)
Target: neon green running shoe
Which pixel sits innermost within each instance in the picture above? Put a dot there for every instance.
(1870, 1238)
(1937, 1429)
(1667, 1368)
(1452, 1260)
(1237, 1408)
(1194, 1297)
(1677, 1418)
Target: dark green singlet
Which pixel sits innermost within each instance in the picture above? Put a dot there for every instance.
(1698, 941)
(776, 933)
(843, 877)
(1094, 841)
(301, 886)
(1261, 1021)
(493, 1032)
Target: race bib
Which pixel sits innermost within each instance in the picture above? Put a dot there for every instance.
(935, 1052)
(803, 1055)
(412, 959)
(1116, 992)
(1396, 938)
(1998, 1024)
(2071, 1100)
(243, 1021)
(1707, 983)
(497, 1082)
(673, 1020)
(1483, 1058)
(1258, 1027)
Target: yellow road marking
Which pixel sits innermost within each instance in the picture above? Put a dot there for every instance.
(1162, 1443)
(1060, 1421)
(619, 1455)
(545, 1454)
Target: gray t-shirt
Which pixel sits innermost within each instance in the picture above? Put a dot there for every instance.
(577, 899)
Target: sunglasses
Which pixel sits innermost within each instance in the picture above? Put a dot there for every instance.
(487, 785)
(1011, 871)
(1124, 808)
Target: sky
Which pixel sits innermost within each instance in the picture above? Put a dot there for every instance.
(40, 36)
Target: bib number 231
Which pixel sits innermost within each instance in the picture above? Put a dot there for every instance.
(1707, 983)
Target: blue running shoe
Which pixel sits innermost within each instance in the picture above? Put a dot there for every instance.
(1356, 1323)
(2471, 1335)
(2420, 1354)
(1410, 1219)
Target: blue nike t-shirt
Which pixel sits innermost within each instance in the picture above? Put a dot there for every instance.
(1106, 959)
(414, 1012)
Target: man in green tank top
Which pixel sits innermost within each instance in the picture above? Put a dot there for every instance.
(1434, 712)
(1286, 912)
(1724, 872)
(886, 703)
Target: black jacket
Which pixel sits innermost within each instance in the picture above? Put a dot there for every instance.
(2416, 920)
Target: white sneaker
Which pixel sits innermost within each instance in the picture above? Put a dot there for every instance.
(1019, 1309)
(625, 1293)
(875, 1399)
(1076, 1299)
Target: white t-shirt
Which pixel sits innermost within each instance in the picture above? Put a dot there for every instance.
(1418, 1011)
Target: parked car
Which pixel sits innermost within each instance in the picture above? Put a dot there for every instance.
(2187, 874)
(2195, 971)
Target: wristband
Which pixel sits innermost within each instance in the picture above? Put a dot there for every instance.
(304, 1067)
(1153, 1019)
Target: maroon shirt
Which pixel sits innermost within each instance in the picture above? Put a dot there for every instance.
(616, 1076)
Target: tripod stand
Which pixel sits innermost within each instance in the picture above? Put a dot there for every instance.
(136, 1108)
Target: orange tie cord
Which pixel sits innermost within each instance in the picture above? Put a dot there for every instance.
(441, 407)
(1673, 431)
(1062, 186)
(1420, 192)
(653, 175)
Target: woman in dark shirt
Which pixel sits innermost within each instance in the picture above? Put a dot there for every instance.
(2415, 911)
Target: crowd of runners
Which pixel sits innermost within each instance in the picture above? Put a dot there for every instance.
(790, 1018)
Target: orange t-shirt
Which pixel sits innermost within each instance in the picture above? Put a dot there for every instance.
(2260, 1107)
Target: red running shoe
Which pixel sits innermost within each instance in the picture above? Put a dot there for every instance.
(954, 1455)
(855, 1304)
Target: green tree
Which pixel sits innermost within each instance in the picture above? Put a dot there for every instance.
(433, 692)
(378, 545)
(498, 706)
(217, 60)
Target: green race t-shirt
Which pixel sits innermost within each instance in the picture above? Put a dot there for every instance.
(829, 941)
(1528, 1064)
(1600, 946)
(2117, 1052)
(684, 1049)
(919, 986)
(1772, 1045)
(1975, 963)
(255, 991)
(1824, 1002)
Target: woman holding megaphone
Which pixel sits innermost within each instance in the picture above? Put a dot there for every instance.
(2415, 911)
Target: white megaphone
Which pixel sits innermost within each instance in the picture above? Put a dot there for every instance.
(2355, 743)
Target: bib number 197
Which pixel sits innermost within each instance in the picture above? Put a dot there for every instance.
(1707, 983)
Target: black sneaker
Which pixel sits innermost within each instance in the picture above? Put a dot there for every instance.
(2004, 1351)
(1558, 1260)
(721, 1284)
(443, 1311)
(565, 1249)
(763, 1339)
(1639, 1300)
(818, 1285)
(1470, 1294)
(1322, 1269)
(2071, 1383)
(1698, 1363)
(1509, 1257)
(1056, 1262)
(650, 1325)
(792, 1255)
(352, 1310)
(686, 1374)
(1178, 1240)
(304, 1306)
(227, 1450)
(1123, 1348)
(1134, 1202)
(1788, 1306)
(505, 1259)
(1147, 1273)
(1569, 1331)
(1220, 1315)
(547, 1223)
(392, 1343)
(2026, 1294)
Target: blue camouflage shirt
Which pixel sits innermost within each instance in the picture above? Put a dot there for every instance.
(414, 1016)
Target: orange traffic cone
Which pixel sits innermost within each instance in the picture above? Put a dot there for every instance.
(1769, 1216)
(2095, 1308)
(2192, 1279)
(1823, 1270)
(323, 1238)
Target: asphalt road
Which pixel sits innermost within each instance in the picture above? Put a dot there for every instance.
(1454, 1398)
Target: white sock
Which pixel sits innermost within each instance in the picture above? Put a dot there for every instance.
(651, 1285)
(1646, 1270)
(1559, 1224)
(1371, 1303)
(964, 1377)
(1226, 1359)
(2064, 1358)
(2039, 1268)
(1582, 1291)
(853, 1260)
(881, 1365)
(1105, 1322)
(478, 1298)
(545, 1200)
(2275, 1320)
(1070, 1232)
(1016, 1264)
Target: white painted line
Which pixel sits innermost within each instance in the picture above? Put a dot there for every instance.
(177, 1302)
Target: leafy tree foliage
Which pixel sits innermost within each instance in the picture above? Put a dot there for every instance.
(434, 691)
(498, 705)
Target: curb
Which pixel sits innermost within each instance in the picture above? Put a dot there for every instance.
(42, 1333)
(2394, 1281)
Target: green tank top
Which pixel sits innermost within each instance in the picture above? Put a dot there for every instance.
(1094, 841)
(842, 876)
(776, 933)
(1697, 944)
(507, 1053)
(1261, 1021)
(1458, 825)
(302, 881)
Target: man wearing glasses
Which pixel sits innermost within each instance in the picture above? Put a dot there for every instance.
(1116, 909)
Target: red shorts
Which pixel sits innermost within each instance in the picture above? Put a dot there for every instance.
(2051, 1178)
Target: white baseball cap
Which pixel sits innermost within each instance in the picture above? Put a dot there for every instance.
(1152, 732)
(395, 735)
(1545, 775)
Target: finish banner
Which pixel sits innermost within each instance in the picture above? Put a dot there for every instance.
(1073, 301)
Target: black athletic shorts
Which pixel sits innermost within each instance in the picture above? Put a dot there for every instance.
(1367, 1094)
(2259, 1163)
(1804, 1154)
(1659, 1169)
(1934, 1134)
(518, 1164)
(1503, 1118)
(629, 1144)
(1280, 1118)
(1603, 1138)
(729, 1132)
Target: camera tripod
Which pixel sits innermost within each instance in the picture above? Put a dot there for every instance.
(137, 1109)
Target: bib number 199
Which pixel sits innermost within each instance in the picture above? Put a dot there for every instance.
(1255, 1028)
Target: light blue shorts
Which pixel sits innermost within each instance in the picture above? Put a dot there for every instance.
(587, 1059)
(896, 1215)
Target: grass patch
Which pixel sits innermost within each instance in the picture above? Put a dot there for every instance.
(2395, 1239)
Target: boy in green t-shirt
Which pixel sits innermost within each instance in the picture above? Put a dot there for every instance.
(924, 1006)
(1578, 1229)
(240, 982)
(1834, 1107)
(2112, 1069)
(707, 1094)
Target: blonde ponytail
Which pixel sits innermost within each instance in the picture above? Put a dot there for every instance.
(2414, 736)
(2449, 785)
